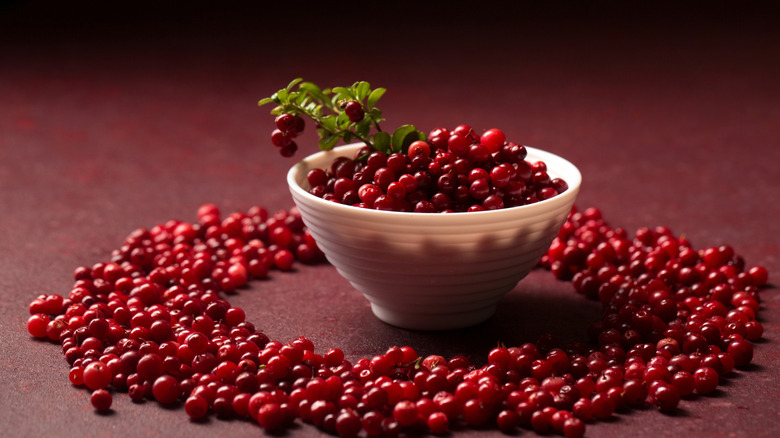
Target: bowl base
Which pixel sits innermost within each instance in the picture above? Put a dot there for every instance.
(427, 321)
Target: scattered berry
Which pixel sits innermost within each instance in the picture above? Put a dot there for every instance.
(101, 400)
(675, 321)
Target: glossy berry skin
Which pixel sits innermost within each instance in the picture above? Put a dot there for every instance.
(289, 149)
(101, 400)
(280, 138)
(507, 421)
(741, 351)
(97, 376)
(665, 332)
(348, 424)
(285, 122)
(493, 139)
(166, 389)
(196, 407)
(573, 428)
(454, 174)
(354, 111)
(705, 380)
(76, 375)
(666, 397)
(270, 417)
(405, 413)
(36, 325)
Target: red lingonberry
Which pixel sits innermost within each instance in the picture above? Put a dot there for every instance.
(166, 389)
(675, 321)
(76, 375)
(286, 122)
(705, 380)
(419, 148)
(280, 138)
(573, 428)
(196, 407)
(438, 423)
(270, 417)
(284, 259)
(507, 421)
(475, 413)
(354, 111)
(493, 139)
(289, 149)
(97, 375)
(348, 423)
(36, 325)
(665, 396)
(101, 400)
(405, 413)
(741, 351)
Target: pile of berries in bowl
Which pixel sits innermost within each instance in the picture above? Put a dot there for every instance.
(434, 230)
(429, 271)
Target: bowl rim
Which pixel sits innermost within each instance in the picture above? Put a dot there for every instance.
(560, 167)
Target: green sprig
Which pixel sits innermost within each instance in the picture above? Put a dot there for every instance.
(324, 107)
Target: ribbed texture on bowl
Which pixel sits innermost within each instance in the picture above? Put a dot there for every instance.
(433, 271)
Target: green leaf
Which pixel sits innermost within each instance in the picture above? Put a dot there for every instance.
(327, 143)
(363, 127)
(347, 137)
(314, 91)
(361, 90)
(382, 141)
(376, 115)
(334, 103)
(282, 95)
(329, 123)
(293, 97)
(266, 101)
(343, 93)
(292, 83)
(343, 121)
(374, 97)
(403, 137)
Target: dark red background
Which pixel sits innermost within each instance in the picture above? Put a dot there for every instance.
(114, 118)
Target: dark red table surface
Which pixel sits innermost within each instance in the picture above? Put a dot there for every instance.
(117, 118)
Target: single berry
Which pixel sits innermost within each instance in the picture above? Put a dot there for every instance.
(196, 407)
(166, 389)
(97, 375)
(286, 123)
(36, 325)
(493, 139)
(101, 400)
(354, 111)
(280, 138)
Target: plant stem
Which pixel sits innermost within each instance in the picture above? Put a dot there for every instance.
(297, 108)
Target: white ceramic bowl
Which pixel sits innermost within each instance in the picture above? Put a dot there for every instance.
(433, 271)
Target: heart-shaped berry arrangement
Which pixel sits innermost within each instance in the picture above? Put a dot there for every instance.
(153, 321)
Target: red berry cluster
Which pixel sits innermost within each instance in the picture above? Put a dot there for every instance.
(123, 324)
(675, 320)
(288, 127)
(153, 322)
(451, 172)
